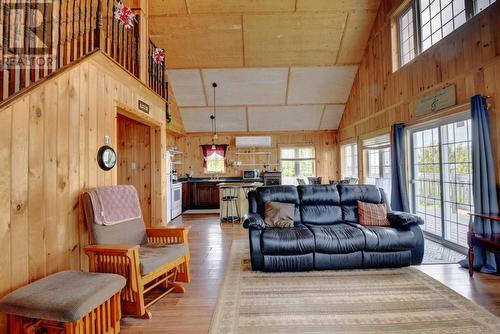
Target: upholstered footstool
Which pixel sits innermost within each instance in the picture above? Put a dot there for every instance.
(70, 301)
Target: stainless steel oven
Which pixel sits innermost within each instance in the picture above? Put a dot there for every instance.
(176, 199)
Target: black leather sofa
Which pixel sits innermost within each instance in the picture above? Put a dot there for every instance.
(326, 232)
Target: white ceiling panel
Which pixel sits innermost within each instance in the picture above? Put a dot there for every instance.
(330, 84)
(187, 87)
(284, 118)
(246, 86)
(331, 117)
(228, 119)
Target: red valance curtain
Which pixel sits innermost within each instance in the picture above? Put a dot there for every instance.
(209, 150)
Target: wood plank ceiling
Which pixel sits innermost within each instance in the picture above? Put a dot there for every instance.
(280, 64)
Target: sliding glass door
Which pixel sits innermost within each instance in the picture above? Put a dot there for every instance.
(441, 177)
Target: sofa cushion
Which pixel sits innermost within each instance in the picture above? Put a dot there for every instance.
(350, 194)
(65, 296)
(282, 194)
(338, 238)
(155, 255)
(279, 214)
(319, 204)
(295, 240)
(384, 239)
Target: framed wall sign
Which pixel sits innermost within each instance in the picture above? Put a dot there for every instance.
(143, 106)
(442, 99)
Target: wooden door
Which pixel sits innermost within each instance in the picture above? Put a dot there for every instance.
(134, 160)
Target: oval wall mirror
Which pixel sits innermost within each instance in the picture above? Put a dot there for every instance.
(106, 157)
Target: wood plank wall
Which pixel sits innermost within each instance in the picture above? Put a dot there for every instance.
(49, 140)
(468, 58)
(323, 141)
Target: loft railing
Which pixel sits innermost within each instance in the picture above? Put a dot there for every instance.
(156, 74)
(40, 37)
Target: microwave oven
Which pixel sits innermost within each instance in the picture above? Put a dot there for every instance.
(251, 174)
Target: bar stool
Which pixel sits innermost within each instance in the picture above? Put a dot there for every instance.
(230, 197)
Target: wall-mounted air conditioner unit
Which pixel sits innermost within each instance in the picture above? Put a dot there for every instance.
(253, 141)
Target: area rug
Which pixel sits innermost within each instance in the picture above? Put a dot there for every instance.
(435, 253)
(349, 301)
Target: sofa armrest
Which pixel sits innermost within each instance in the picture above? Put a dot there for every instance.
(253, 220)
(403, 219)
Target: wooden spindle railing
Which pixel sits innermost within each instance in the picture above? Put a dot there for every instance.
(71, 29)
(156, 74)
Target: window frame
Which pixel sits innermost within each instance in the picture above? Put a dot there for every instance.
(470, 12)
(416, 32)
(207, 171)
(298, 160)
(354, 158)
(381, 150)
(409, 131)
(474, 7)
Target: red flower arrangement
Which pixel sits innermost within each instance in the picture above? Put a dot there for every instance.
(124, 15)
(158, 55)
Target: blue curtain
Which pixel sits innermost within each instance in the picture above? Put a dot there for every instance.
(399, 192)
(483, 183)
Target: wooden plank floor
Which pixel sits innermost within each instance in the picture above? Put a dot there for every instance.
(210, 243)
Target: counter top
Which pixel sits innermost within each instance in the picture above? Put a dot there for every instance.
(241, 184)
(219, 180)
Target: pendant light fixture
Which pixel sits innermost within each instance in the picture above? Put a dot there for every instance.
(213, 118)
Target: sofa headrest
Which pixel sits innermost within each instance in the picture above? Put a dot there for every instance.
(282, 194)
(351, 193)
(318, 194)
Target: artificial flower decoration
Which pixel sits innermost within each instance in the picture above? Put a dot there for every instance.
(158, 55)
(124, 15)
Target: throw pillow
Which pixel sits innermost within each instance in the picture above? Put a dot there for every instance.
(372, 214)
(278, 214)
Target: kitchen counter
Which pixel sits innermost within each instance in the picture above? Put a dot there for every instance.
(219, 180)
(204, 193)
(241, 184)
(241, 189)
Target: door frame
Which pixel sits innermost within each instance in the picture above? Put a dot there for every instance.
(157, 180)
(435, 122)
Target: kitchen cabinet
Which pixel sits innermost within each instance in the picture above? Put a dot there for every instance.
(186, 196)
(205, 195)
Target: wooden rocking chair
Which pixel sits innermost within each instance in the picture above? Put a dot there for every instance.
(146, 257)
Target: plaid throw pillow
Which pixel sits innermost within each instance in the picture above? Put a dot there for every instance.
(372, 214)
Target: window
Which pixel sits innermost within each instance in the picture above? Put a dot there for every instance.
(215, 164)
(423, 23)
(479, 5)
(442, 178)
(214, 158)
(438, 18)
(349, 160)
(297, 162)
(377, 166)
(406, 36)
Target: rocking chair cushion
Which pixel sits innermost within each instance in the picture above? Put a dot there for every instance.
(132, 232)
(155, 255)
(66, 296)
